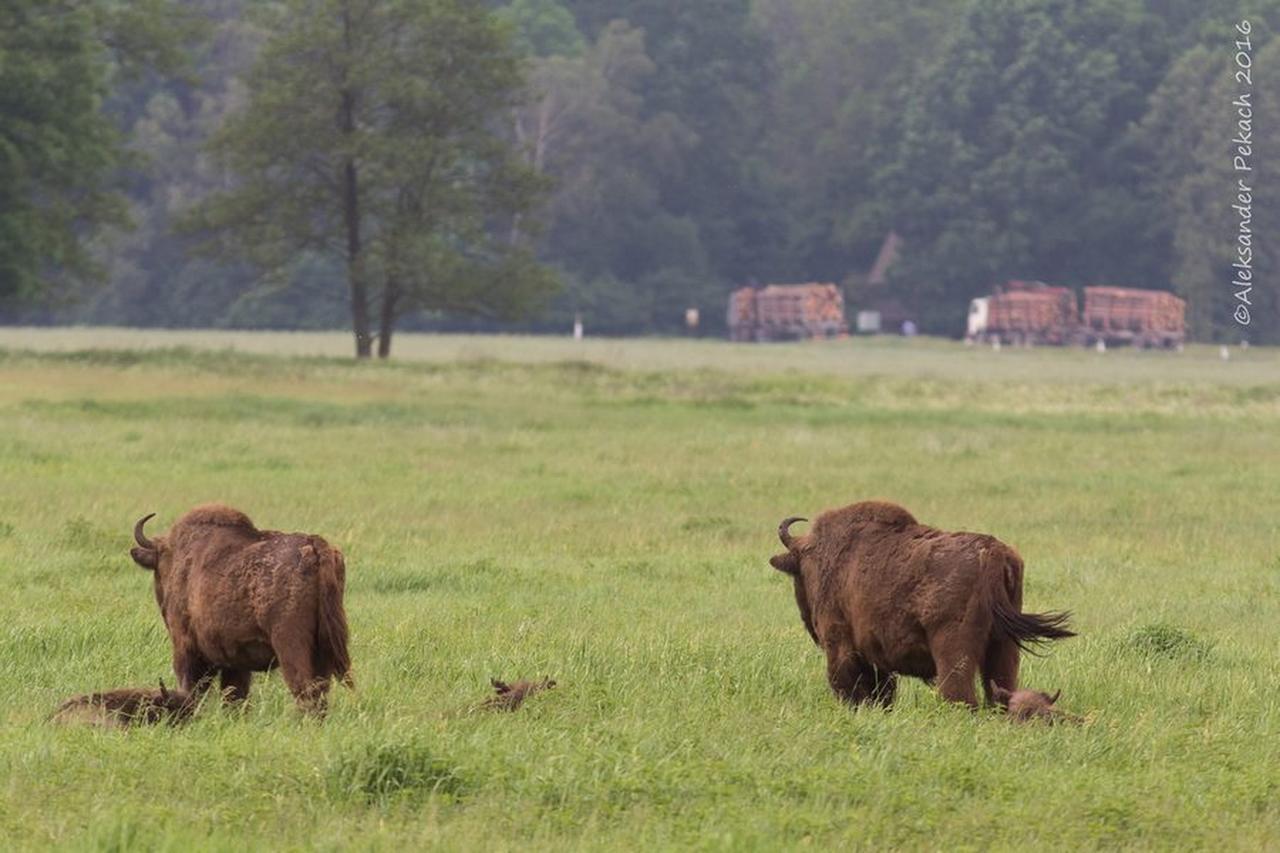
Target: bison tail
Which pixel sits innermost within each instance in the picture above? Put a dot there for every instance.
(332, 622)
(1027, 630)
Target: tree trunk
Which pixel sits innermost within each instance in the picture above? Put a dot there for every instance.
(351, 217)
(355, 263)
(390, 295)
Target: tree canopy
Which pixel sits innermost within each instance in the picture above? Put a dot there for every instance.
(653, 155)
(370, 137)
(60, 152)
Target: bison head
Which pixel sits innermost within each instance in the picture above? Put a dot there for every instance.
(147, 554)
(789, 563)
(153, 555)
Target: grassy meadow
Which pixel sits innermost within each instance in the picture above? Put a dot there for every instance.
(603, 513)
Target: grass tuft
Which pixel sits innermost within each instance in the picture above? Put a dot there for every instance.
(1168, 641)
(387, 772)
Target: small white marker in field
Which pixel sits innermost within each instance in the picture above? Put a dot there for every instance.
(1100, 346)
(995, 344)
(577, 327)
(1224, 353)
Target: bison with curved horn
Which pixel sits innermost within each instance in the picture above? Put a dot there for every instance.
(883, 595)
(238, 600)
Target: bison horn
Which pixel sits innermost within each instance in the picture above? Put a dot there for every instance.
(140, 537)
(1054, 700)
(784, 534)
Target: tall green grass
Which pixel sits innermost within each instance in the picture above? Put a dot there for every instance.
(606, 519)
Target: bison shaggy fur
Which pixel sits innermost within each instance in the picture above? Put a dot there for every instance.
(883, 595)
(238, 600)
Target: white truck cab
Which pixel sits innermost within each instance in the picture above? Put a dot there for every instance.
(978, 317)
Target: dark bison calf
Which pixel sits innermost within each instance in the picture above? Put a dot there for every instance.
(127, 707)
(238, 600)
(508, 697)
(884, 595)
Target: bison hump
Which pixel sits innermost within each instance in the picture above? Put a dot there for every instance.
(883, 512)
(218, 515)
(842, 523)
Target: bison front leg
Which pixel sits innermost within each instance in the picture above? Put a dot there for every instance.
(235, 685)
(193, 672)
(886, 687)
(854, 681)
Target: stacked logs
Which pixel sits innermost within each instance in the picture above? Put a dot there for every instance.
(787, 312)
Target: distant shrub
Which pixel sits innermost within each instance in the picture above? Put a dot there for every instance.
(402, 582)
(1163, 640)
(122, 835)
(382, 773)
(83, 535)
(707, 524)
(582, 367)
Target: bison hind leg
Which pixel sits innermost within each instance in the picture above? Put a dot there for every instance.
(296, 667)
(323, 666)
(956, 664)
(1000, 665)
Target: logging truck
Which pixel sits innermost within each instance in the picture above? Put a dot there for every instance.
(787, 312)
(1023, 312)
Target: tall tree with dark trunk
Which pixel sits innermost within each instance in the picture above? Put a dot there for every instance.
(373, 134)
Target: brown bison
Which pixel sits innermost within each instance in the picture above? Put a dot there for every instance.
(884, 595)
(1026, 705)
(508, 697)
(238, 600)
(127, 707)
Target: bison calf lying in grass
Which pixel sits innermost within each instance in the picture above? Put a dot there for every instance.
(127, 707)
(1027, 705)
(512, 696)
(884, 595)
(238, 600)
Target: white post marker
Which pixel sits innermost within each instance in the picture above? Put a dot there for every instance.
(691, 318)
(577, 327)
(1101, 345)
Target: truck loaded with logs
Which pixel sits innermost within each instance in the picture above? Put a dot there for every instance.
(787, 312)
(1025, 312)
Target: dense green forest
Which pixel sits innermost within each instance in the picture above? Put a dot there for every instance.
(666, 153)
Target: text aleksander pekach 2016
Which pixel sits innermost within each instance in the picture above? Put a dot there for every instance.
(1242, 267)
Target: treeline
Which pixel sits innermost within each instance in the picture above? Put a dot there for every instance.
(690, 148)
